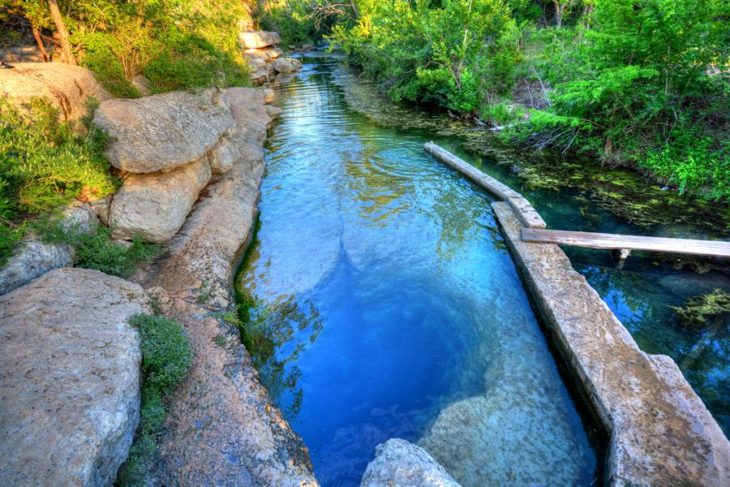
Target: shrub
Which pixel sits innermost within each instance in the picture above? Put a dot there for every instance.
(166, 357)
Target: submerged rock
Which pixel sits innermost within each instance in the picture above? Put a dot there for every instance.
(69, 88)
(154, 206)
(161, 132)
(69, 378)
(403, 464)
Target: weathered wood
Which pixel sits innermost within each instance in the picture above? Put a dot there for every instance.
(524, 210)
(712, 248)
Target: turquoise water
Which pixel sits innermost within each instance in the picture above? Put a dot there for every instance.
(384, 304)
(387, 305)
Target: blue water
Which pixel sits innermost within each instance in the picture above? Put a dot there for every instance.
(384, 304)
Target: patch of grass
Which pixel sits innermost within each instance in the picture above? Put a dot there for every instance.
(220, 340)
(166, 357)
(96, 249)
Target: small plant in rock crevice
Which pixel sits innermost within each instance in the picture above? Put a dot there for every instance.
(166, 357)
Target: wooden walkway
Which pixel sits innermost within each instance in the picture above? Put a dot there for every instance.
(711, 248)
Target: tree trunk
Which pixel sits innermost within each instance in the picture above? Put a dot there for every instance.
(558, 14)
(62, 32)
(41, 46)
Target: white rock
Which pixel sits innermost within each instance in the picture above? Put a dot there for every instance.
(69, 378)
(266, 53)
(223, 156)
(258, 39)
(403, 464)
(286, 65)
(67, 87)
(154, 206)
(161, 132)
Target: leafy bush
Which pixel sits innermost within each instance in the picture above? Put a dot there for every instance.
(166, 357)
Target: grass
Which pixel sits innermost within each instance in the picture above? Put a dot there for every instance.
(166, 357)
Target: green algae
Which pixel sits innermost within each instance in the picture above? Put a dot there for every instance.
(618, 190)
(701, 310)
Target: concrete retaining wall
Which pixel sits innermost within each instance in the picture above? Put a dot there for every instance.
(661, 433)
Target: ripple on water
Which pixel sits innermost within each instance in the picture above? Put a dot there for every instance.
(394, 310)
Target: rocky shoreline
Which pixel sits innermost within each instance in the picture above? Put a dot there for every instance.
(191, 165)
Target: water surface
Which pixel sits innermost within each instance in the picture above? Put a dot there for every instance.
(384, 304)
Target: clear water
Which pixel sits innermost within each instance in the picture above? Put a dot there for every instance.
(393, 310)
(387, 306)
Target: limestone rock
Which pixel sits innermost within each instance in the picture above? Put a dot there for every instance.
(222, 156)
(21, 54)
(142, 84)
(67, 87)
(222, 427)
(274, 112)
(161, 132)
(79, 219)
(286, 65)
(69, 378)
(399, 463)
(30, 260)
(154, 206)
(267, 53)
(269, 96)
(101, 207)
(258, 39)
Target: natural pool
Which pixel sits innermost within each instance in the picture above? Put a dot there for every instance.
(394, 308)
(384, 304)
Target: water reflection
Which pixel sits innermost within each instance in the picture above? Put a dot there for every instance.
(387, 300)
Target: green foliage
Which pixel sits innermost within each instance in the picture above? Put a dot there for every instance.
(96, 249)
(452, 54)
(166, 357)
(699, 310)
(45, 164)
(177, 45)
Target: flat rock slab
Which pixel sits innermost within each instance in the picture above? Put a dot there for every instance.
(162, 132)
(660, 431)
(69, 378)
(67, 87)
(403, 464)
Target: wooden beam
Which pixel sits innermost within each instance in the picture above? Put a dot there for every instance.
(712, 248)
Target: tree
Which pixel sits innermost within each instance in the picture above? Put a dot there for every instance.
(62, 32)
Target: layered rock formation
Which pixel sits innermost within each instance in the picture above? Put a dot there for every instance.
(222, 428)
(403, 464)
(169, 145)
(69, 88)
(264, 57)
(69, 378)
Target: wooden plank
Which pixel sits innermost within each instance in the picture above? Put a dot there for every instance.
(713, 248)
(524, 210)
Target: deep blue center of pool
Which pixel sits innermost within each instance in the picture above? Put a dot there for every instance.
(386, 305)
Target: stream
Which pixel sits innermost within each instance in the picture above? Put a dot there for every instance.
(381, 302)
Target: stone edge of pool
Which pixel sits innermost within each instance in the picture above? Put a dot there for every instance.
(660, 431)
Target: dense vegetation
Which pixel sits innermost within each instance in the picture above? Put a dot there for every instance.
(166, 356)
(637, 82)
(175, 44)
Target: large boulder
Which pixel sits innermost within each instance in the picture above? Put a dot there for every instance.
(403, 464)
(154, 206)
(162, 132)
(69, 88)
(69, 378)
(266, 53)
(223, 156)
(286, 65)
(258, 39)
